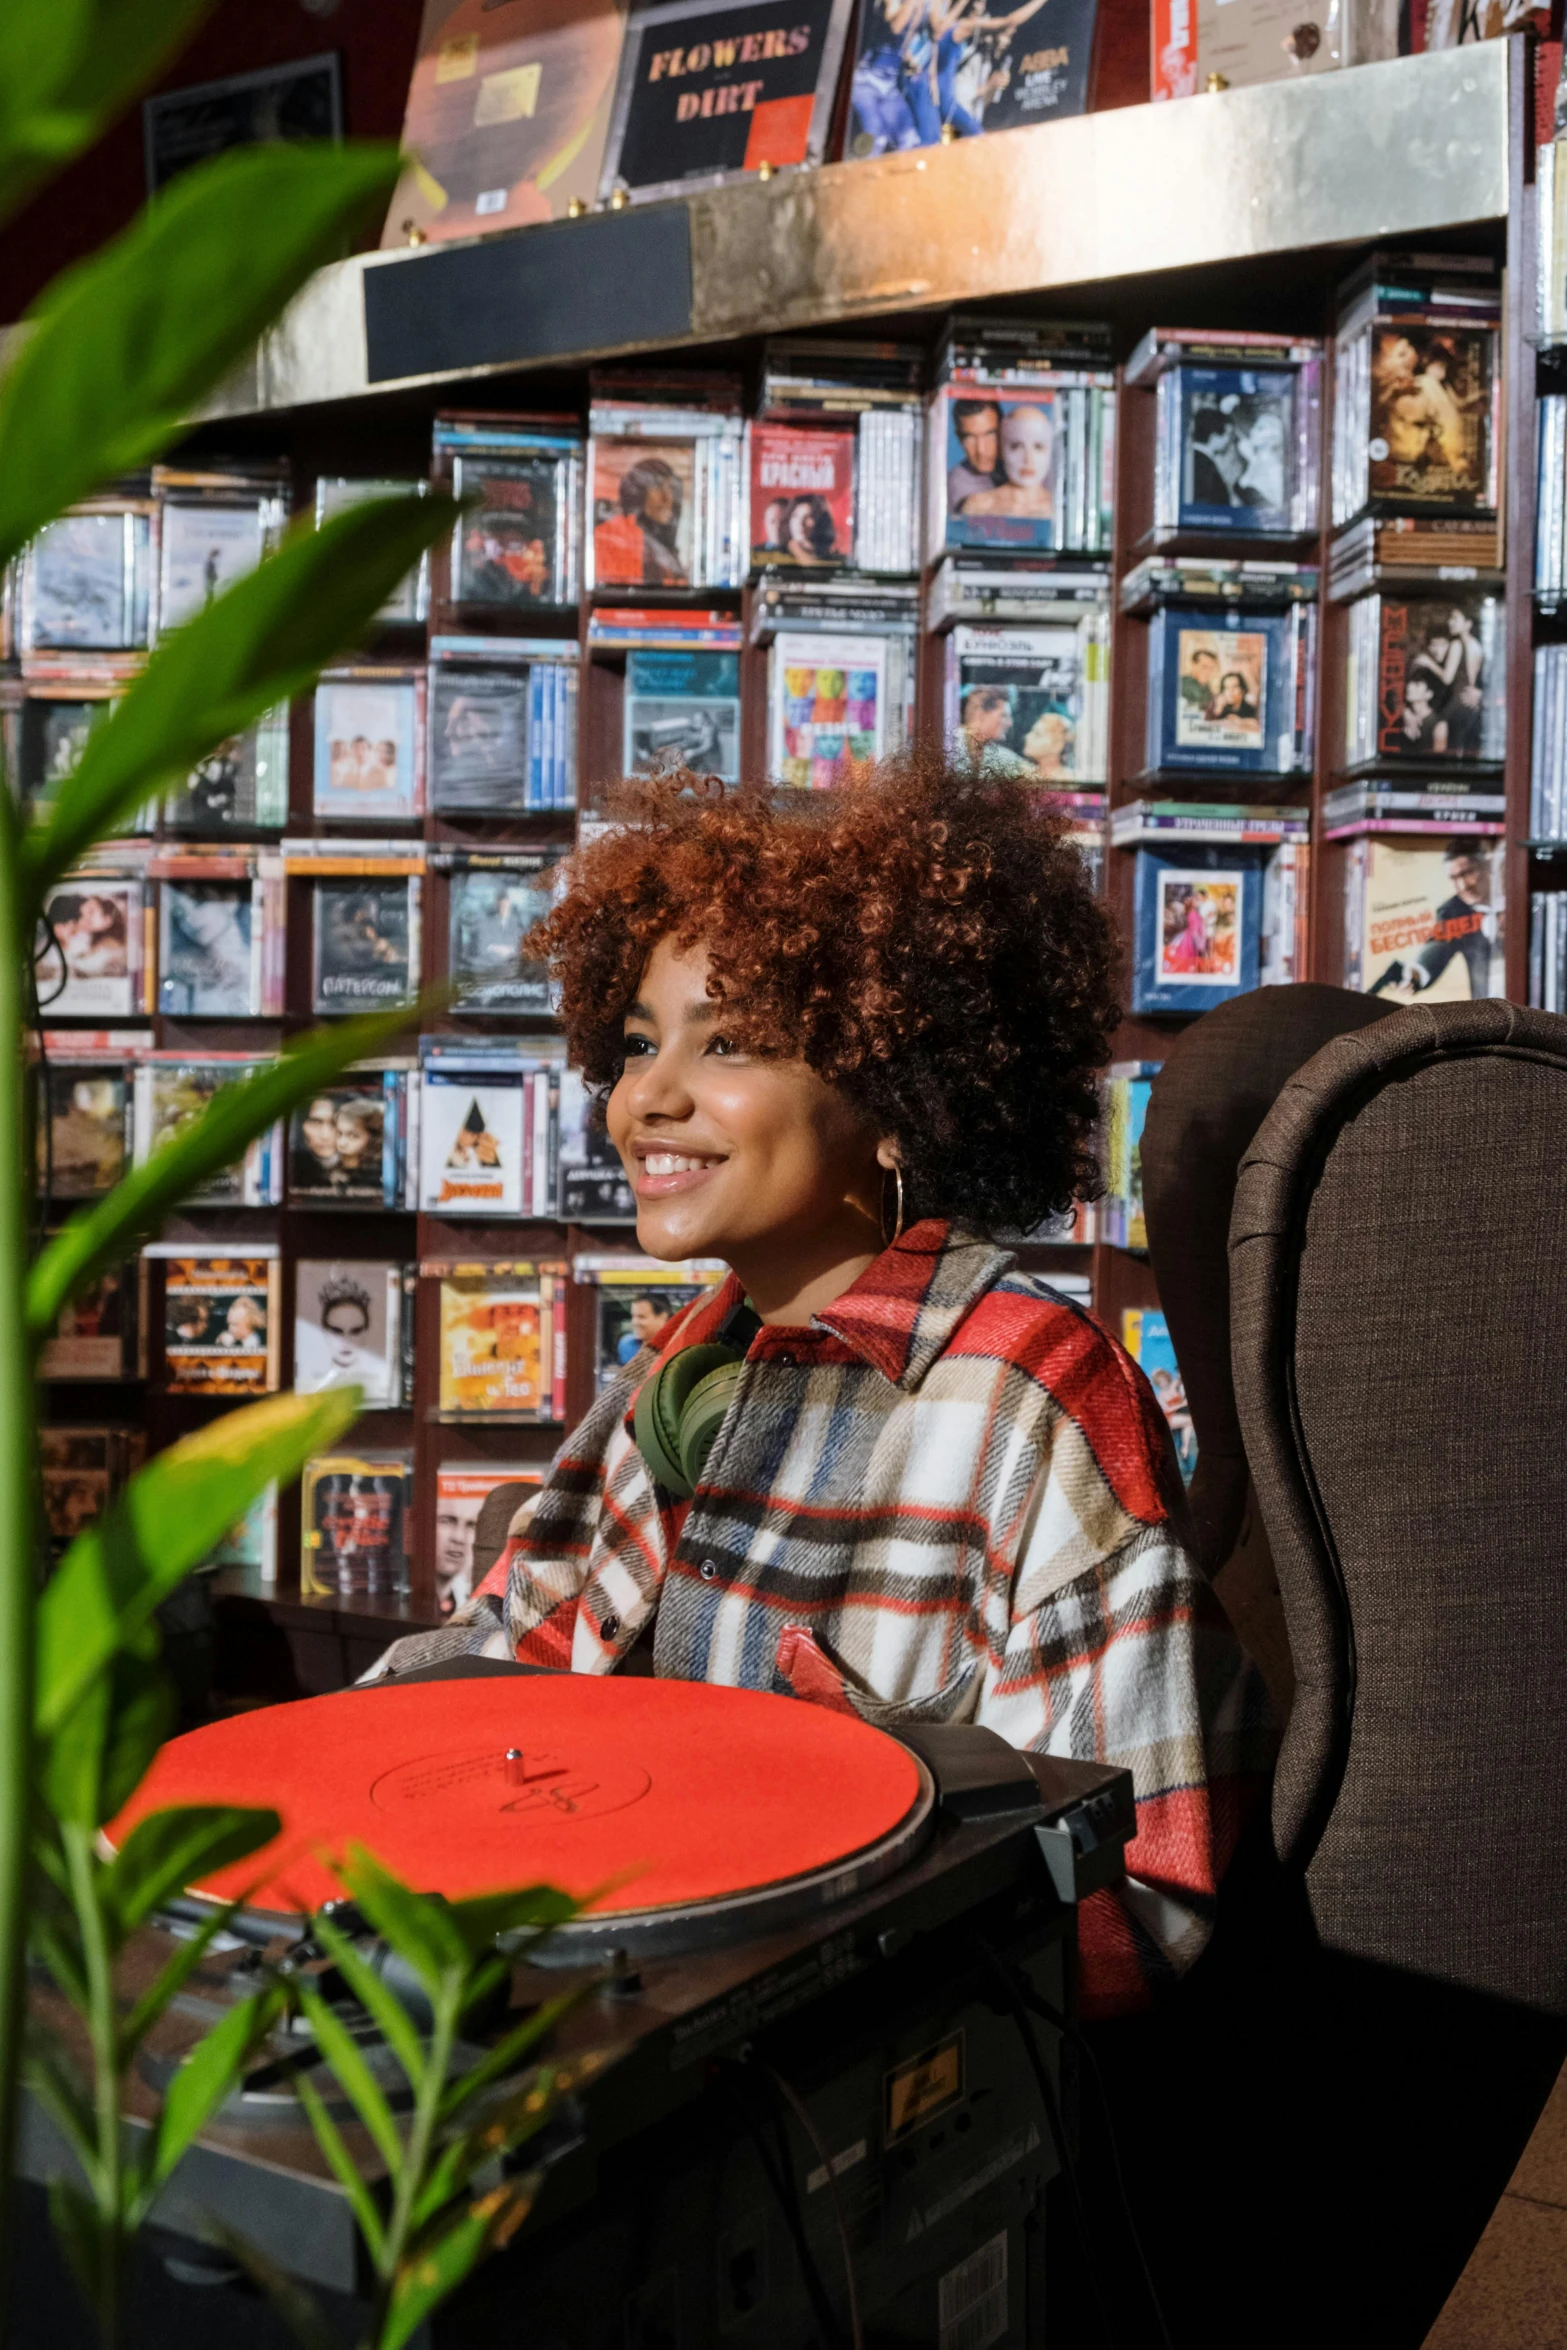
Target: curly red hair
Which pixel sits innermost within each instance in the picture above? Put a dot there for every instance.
(926, 940)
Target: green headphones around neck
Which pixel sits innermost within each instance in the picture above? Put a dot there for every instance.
(680, 1407)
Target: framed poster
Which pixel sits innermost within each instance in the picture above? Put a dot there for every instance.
(303, 100)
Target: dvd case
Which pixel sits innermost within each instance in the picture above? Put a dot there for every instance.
(1230, 689)
(248, 1551)
(86, 580)
(827, 706)
(1425, 920)
(802, 494)
(354, 1143)
(461, 1490)
(101, 1330)
(666, 482)
(503, 725)
(1145, 1335)
(637, 1298)
(84, 1123)
(494, 899)
(1236, 431)
(682, 709)
(497, 1339)
(1425, 680)
(240, 786)
(408, 604)
(518, 548)
(220, 933)
(210, 541)
(356, 1510)
(592, 1186)
(1021, 460)
(171, 1090)
(1197, 921)
(369, 745)
(472, 1146)
(1031, 703)
(347, 1329)
(81, 1470)
(1417, 387)
(94, 959)
(52, 723)
(220, 1319)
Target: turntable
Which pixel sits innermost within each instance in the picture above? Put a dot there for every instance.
(795, 1929)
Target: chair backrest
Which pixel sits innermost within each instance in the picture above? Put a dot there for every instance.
(1398, 1267)
(493, 1524)
(1219, 1081)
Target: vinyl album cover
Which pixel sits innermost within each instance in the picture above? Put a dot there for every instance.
(1145, 1335)
(922, 73)
(1018, 699)
(86, 583)
(1237, 434)
(1431, 392)
(361, 944)
(337, 1146)
(1221, 689)
(240, 786)
(206, 548)
(632, 1316)
(479, 738)
(828, 708)
(83, 1130)
(510, 552)
(1003, 461)
(1425, 920)
(802, 495)
(643, 497)
(367, 747)
(708, 87)
(204, 949)
(354, 1539)
(78, 1481)
(52, 736)
(461, 1491)
(1435, 684)
(490, 1344)
(507, 114)
(92, 1339)
(682, 709)
(92, 960)
(220, 1333)
(1197, 917)
(490, 913)
(471, 1148)
(346, 1328)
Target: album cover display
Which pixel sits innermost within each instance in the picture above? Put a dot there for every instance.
(635, 1303)
(347, 1329)
(91, 965)
(479, 734)
(355, 1142)
(83, 1128)
(1016, 702)
(712, 87)
(1425, 920)
(297, 101)
(1425, 679)
(356, 1510)
(81, 1471)
(208, 546)
(1250, 41)
(494, 899)
(366, 946)
(1417, 389)
(471, 1147)
(220, 1321)
(97, 1333)
(644, 512)
(1230, 689)
(337, 493)
(592, 1182)
(682, 709)
(802, 494)
(461, 1490)
(519, 549)
(491, 1343)
(240, 786)
(52, 732)
(369, 745)
(171, 1091)
(87, 582)
(1021, 461)
(507, 115)
(1197, 924)
(916, 84)
(827, 707)
(208, 950)
(250, 1546)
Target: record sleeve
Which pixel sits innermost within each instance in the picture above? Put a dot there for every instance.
(1424, 920)
(682, 709)
(207, 950)
(346, 1329)
(711, 87)
(1018, 700)
(480, 739)
(95, 1337)
(220, 1323)
(461, 1490)
(86, 582)
(512, 553)
(354, 1538)
(91, 966)
(490, 1343)
(369, 745)
(471, 1149)
(1197, 922)
(507, 115)
(827, 707)
(240, 786)
(913, 86)
(83, 1129)
(408, 604)
(802, 494)
(207, 547)
(493, 905)
(341, 1148)
(365, 943)
(642, 510)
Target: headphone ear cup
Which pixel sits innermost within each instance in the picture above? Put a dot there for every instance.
(658, 1416)
(703, 1416)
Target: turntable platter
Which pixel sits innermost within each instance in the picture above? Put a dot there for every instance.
(713, 1811)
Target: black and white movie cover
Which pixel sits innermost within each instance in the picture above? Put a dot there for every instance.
(241, 786)
(363, 936)
(592, 1184)
(682, 709)
(338, 1147)
(207, 547)
(52, 734)
(491, 909)
(86, 583)
(346, 1328)
(479, 738)
(1237, 437)
(206, 942)
(83, 1129)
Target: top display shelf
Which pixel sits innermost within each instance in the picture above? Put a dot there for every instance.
(1397, 150)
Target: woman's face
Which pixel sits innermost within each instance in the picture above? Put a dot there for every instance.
(1025, 448)
(800, 528)
(727, 1150)
(658, 502)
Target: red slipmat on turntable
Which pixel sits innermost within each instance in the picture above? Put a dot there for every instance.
(716, 1812)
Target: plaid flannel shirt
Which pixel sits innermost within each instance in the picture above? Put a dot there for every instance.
(951, 1498)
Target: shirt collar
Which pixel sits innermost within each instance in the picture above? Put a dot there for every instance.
(901, 1313)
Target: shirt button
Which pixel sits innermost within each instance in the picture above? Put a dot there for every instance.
(787, 1362)
(709, 1570)
(609, 1627)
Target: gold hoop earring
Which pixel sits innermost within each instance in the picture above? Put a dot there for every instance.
(897, 1229)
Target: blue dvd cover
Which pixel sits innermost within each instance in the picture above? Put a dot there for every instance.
(1197, 918)
(1146, 1336)
(1223, 689)
(1237, 440)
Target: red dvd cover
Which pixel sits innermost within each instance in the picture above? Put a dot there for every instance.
(802, 494)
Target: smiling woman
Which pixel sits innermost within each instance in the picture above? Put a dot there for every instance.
(843, 1041)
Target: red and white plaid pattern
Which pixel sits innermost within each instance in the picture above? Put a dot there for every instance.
(952, 1498)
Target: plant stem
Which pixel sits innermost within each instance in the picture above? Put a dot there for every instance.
(446, 2009)
(104, 2034)
(18, 1560)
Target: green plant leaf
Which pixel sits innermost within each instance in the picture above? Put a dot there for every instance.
(507, 2123)
(353, 2075)
(507, 2053)
(58, 2087)
(258, 645)
(105, 1234)
(166, 1520)
(67, 67)
(200, 2086)
(343, 2168)
(294, 2305)
(380, 2002)
(171, 1979)
(122, 347)
(480, 1919)
(81, 2236)
(440, 2264)
(100, 1753)
(169, 1850)
(419, 1926)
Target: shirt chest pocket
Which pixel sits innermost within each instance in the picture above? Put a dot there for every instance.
(803, 1667)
